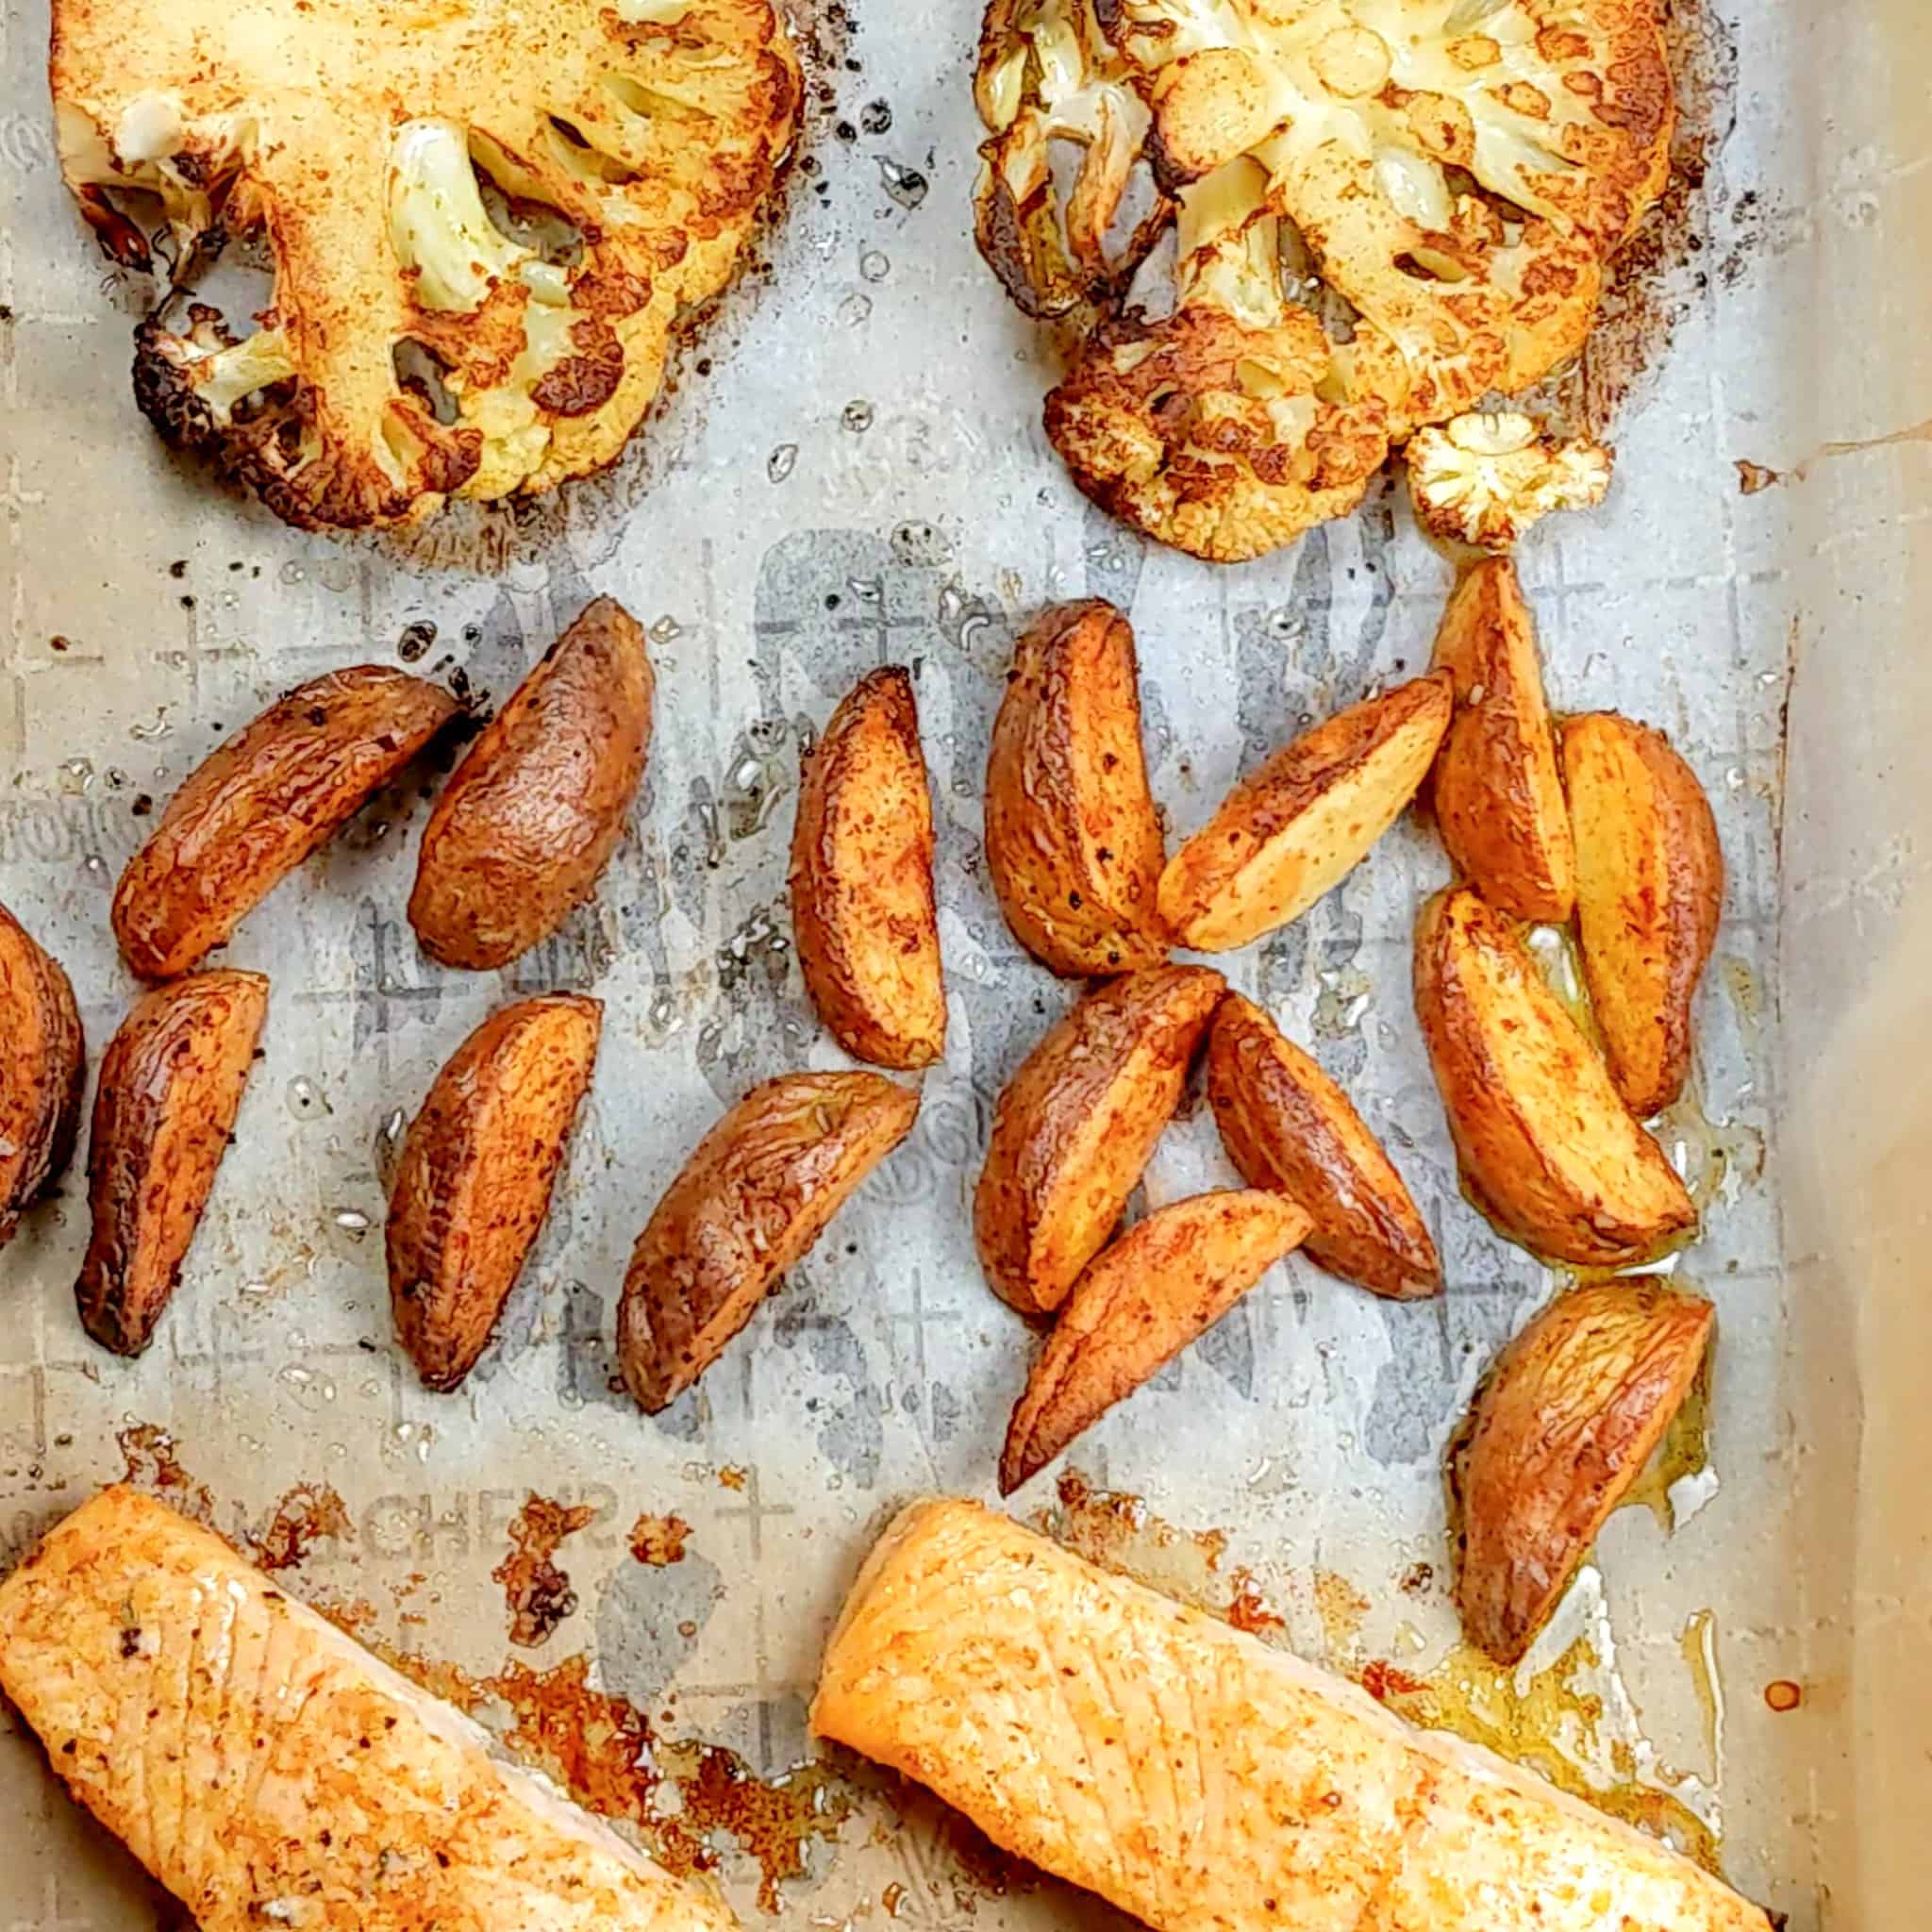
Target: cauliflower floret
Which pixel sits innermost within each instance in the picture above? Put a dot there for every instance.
(1458, 170)
(1222, 429)
(651, 131)
(1484, 479)
(1045, 75)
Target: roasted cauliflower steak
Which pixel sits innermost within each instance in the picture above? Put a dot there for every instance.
(355, 138)
(1458, 173)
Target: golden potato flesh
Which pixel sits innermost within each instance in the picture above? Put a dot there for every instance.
(1548, 1149)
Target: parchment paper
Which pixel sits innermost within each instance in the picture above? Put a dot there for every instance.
(859, 476)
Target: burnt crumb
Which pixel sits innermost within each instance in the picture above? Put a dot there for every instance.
(415, 641)
(808, 164)
(130, 1640)
(5, 311)
(473, 633)
(142, 806)
(187, 603)
(238, 565)
(832, 600)
(844, 130)
(58, 643)
(875, 117)
(178, 569)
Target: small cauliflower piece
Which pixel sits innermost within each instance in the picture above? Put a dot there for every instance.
(1484, 479)
(1459, 173)
(1224, 428)
(642, 137)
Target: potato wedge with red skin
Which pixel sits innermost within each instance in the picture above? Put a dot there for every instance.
(1563, 1425)
(1650, 890)
(42, 1070)
(478, 1169)
(1289, 1127)
(1073, 840)
(1497, 797)
(530, 817)
(757, 1192)
(1304, 820)
(1074, 1126)
(1549, 1151)
(250, 813)
(171, 1085)
(1166, 1281)
(864, 910)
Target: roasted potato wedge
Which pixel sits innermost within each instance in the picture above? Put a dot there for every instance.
(43, 1069)
(473, 1183)
(1305, 819)
(1650, 886)
(1075, 1125)
(1549, 1151)
(1498, 801)
(1073, 840)
(171, 1085)
(1562, 1427)
(1168, 1279)
(1288, 1126)
(862, 905)
(532, 814)
(755, 1195)
(255, 809)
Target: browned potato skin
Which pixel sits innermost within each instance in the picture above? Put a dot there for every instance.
(473, 1184)
(1075, 1125)
(1650, 889)
(1073, 840)
(530, 817)
(43, 1069)
(171, 1085)
(1269, 854)
(758, 1191)
(1498, 801)
(1288, 1126)
(1563, 1427)
(252, 812)
(1530, 1103)
(862, 905)
(1166, 1281)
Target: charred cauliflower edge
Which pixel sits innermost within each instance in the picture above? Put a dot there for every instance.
(413, 350)
(1453, 175)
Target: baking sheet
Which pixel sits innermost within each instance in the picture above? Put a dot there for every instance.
(858, 478)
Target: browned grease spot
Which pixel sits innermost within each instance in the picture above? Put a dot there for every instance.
(1342, 1609)
(1248, 1610)
(1417, 1578)
(1784, 1695)
(731, 1476)
(891, 1898)
(1753, 477)
(1538, 1726)
(305, 1513)
(603, 1751)
(659, 1540)
(536, 1592)
(1118, 1532)
(152, 1465)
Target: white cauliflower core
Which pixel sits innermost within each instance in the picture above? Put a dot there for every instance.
(1484, 479)
(353, 135)
(1458, 170)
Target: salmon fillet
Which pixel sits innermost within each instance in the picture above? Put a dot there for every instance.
(270, 1772)
(1199, 1778)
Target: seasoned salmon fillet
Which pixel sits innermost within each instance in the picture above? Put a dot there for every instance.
(1197, 1777)
(270, 1772)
